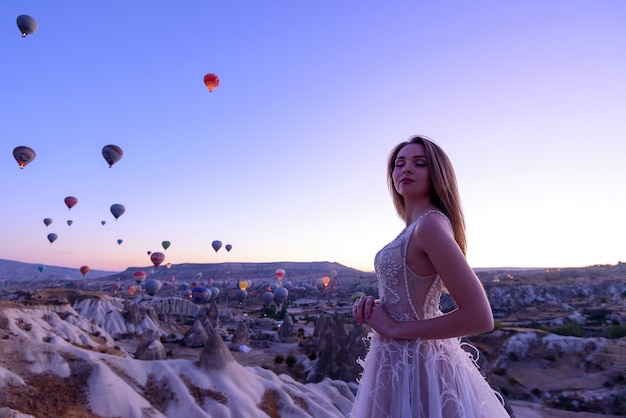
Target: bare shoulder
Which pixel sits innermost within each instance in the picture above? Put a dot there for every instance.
(434, 226)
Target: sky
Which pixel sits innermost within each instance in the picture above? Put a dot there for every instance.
(285, 160)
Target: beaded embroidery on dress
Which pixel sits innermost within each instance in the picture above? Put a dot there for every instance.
(418, 378)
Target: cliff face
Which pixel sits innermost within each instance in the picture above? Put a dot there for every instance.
(56, 362)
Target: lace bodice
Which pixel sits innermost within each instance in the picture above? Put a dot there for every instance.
(404, 295)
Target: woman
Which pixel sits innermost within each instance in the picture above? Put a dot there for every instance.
(416, 366)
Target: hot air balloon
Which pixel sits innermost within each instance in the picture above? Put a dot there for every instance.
(152, 286)
(216, 245)
(214, 292)
(267, 298)
(228, 247)
(117, 210)
(326, 280)
(27, 25)
(244, 284)
(116, 287)
(23, 155)
(41, 268)
(280, 273)
(166, 245)
(200, 294)
(84, 270)
(70, 202)
(241, 295)
(139, 276)
(168, 265)
(157, 258)
(149, 252)
(280, 295)
(131, 290)
(52, 237)
(70, 222)
(47, 221)
(119, 242)
(112, 154)
(103, 222)
(211, 81)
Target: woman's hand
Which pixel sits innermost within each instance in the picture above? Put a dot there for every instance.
(362, 309)
(367, 309)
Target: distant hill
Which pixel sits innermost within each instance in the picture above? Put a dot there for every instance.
(16, 271)
(247, 271)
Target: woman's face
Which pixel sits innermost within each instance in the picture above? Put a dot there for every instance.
(410, 173)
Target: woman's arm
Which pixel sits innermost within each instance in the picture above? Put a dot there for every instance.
(473, 315)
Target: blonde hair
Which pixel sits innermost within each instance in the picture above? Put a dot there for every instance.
(444, 193)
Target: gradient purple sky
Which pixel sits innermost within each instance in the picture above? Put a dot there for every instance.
(285, 160)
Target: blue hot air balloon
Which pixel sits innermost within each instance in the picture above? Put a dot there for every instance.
(152, 286)
(27, 25)
(200, 294)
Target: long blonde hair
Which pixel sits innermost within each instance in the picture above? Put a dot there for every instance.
(444, 192)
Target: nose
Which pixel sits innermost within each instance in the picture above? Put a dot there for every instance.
(406, 168)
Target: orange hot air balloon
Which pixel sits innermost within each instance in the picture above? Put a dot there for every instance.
(211, 81)
(23, 155)
(244, 285)
(326, 280)
(84, 270)
(70, 202)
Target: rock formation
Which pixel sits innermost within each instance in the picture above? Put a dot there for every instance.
(215, 354)
(288, 334)
(150, 347)
(241, 337)
(196, 336)
(337, 350)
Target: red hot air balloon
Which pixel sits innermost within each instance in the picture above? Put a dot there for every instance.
(27, 25)
(84, 270)
(23, 155)
(139, 276)
(157, 258)
(70, 202)
(280, 273)
(112, 154)
(211, 81)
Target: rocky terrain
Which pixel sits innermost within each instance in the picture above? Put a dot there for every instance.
(559, 344)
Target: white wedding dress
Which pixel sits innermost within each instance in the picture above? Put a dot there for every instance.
(418, 378)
